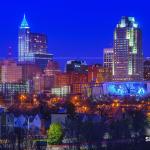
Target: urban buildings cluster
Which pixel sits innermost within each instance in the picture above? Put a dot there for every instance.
(36, 70)
(111, 99)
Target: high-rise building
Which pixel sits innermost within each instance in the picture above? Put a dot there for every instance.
(38, 43)
(76, 66)
(108, 57)
(147, 69)
(128, 56)
(32, 47)
(23, 42)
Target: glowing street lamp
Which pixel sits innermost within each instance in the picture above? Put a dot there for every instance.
(85, 109)
(22, 98)
(116, 103)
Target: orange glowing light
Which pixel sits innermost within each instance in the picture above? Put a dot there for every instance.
(76, 101)
(22, 97)
(75, 97)
(116, 101)
(115, 104)
(139, 106)
(84, 108)
(98, 106)
(148, 114)
(34, 100)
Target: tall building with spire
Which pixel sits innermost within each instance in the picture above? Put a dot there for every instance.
(32, 47)
(24, 41)
(128, 55)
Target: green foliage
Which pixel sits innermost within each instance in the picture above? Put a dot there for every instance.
(55, 134)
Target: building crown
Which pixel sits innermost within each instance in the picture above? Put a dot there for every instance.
(24, 23)
(127, 22)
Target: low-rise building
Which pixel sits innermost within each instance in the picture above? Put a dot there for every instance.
(11, 72)
(61, 91)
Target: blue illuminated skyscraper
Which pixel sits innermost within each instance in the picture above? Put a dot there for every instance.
(128, 55)
(32, 47)
(23, 41)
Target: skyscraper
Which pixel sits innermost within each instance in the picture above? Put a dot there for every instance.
(32, 47)
(38, 43)
(128, 56)
(23, 41)
(108, 57)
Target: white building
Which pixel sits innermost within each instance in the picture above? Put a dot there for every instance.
(61, 91)
(108, 57)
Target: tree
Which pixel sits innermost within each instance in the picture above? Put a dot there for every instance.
(92, 132)
(139, 122)
(55, 134)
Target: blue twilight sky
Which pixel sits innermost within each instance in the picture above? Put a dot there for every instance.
(75, 28)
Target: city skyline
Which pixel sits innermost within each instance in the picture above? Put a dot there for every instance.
(70, 28)
(74, 75)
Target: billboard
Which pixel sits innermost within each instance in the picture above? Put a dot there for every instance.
(125, 88)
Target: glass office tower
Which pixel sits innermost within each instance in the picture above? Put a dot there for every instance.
(128, 55)
(23, 42)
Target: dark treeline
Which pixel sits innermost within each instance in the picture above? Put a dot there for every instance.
(125, 131)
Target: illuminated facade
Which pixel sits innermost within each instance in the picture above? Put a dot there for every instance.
(11, 72)
(38, 43)
(38, 82)
(32, 47)
(126, 88)
(42, 83)
(63, 79)
(9, 89)
(24, 53)
(79, 88)
(98, 74)
(128, 56)
(61, 91)
(108, 57)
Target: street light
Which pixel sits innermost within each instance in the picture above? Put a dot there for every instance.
(22, 98)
